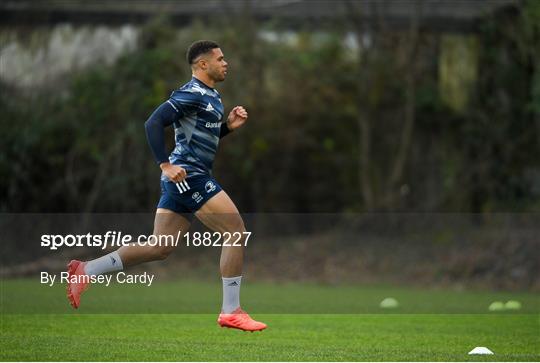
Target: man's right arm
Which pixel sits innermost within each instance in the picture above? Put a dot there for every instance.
(165, 115)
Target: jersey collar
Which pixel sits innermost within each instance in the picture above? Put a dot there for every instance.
(202, 84)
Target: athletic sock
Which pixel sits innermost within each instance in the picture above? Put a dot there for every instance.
(108, 263)
(231, 294)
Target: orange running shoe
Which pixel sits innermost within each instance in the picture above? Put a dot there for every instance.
(75, 289)
(239, 319)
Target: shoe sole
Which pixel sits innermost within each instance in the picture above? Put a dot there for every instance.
(228, 326)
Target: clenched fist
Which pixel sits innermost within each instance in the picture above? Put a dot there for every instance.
(175, 173)
(237, 117)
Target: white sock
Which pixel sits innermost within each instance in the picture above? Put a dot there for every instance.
(108, 263)
(231, 294)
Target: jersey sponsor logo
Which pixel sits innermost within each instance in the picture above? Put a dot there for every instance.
(213, 124)
(209, 107)
(197, 197)
(209, 186)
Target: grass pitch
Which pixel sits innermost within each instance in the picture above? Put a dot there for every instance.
(176, 321)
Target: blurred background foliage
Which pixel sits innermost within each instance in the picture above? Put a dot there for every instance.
(401, 121)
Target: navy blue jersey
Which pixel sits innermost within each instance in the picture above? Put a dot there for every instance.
(197, 129)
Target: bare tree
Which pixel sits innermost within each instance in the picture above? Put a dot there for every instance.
(376, 30)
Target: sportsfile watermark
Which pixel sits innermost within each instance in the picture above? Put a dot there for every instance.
(119, 239)
(293, 263)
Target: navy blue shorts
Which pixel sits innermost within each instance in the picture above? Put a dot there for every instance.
(189, 195)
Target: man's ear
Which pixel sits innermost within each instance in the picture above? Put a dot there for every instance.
(203, 64)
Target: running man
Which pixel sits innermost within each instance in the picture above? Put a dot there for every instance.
(187, 186)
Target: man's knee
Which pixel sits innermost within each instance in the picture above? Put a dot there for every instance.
(239, 227)
(235, 224)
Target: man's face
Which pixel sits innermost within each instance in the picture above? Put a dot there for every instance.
(217, 67)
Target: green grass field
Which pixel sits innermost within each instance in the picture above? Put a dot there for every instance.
(175, 321)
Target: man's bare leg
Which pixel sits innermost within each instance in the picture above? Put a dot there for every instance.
(166, 223)
(221, 215)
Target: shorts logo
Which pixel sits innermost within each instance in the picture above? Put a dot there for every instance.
(210, 186)
(197, 197)
(183, 186)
